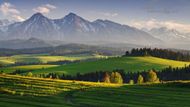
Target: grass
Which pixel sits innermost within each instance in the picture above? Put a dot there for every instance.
(21, 91)
(133, 64)
(6, 60)
(26, 67)
(42, 58)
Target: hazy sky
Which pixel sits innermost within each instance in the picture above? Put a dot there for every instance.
(138, 13)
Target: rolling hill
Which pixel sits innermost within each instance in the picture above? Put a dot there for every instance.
(45, 58)
(40, 61)
(132, 64)
(105, 63)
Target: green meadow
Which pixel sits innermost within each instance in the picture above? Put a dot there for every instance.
(22, 91)
(19, 91)
(43, 58)
(132, 64)
(27, 67)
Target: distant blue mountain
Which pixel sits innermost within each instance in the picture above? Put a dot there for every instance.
(73, 28)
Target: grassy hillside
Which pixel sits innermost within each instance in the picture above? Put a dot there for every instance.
(43, 58)
(127, 63)
(26, 67)
(20, 91)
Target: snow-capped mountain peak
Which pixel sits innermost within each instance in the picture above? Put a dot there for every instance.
(168, 35)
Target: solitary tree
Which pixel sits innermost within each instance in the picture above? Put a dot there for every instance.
(106, 78)
(131, 82)
(140, 79)
(116, 78)
(29, 74)
(152, 77)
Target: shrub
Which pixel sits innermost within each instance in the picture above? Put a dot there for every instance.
(140, 79)
(29, 74)
(131, 82)
(21, 93)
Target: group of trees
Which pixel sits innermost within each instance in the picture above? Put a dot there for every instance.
(170, 74)
(150, 77)
(120, 76)
(115, 77)
(161, 53)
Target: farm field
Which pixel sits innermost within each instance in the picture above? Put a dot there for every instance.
(21, 91)
(133, 64)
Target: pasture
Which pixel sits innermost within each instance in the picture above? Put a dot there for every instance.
(21, 91)
(45, 58)
(132, 64)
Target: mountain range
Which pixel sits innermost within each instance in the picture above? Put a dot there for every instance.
(38, 31)
(73, 28)
(169, 35)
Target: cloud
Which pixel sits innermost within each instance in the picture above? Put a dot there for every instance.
(153, 23)
(10, 10)
(45, 9)
(109, 14)
(50, 6)
(19, 18)
(7, 8)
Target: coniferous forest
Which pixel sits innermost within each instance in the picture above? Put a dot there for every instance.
(161, 53)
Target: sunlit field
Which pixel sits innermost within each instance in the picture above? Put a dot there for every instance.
(26, 67)
(43, 58)
(29, 91)
(132, 64)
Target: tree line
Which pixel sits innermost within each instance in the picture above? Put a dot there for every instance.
(161, 53)
(120, 76)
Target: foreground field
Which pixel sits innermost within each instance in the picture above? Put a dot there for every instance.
(20, 91)
(133, 64)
